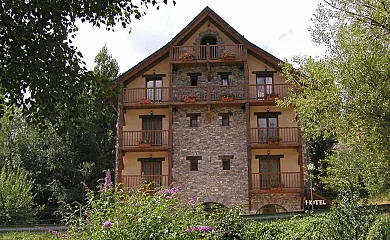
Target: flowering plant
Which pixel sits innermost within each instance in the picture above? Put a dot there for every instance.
(273, 94)
(189, 97)
(227, 95)
(187, 56)
(145, 141)
(228, 55)
(274, 139)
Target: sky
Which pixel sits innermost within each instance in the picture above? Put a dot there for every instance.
(278, 26)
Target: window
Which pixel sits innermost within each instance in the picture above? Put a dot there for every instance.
(154, 89)
(224, 80)
(225, 164)
(194, 80)
(193, 119)
(226, 161)
(269, 170)
(194, 162)
(225, 120)
(267, 124)
(264, 85)
(224, 77)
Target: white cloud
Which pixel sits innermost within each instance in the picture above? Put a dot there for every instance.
(278, 26)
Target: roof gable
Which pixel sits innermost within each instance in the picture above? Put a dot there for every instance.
(206, 15)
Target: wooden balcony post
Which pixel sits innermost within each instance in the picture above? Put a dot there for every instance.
(119, 140)
(170, 146)
(208, 51)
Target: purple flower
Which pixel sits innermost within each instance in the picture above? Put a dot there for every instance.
(107, 224)
(168, 192)
(107, 182)
(199, 229)
(192, 201)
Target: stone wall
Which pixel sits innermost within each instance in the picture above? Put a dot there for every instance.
(180, 77)
(210, 140)
(290, 201)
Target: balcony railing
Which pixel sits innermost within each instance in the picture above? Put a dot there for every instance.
(208, 52)
(156, 95)
(266, 92)
(267, 135)
(153, 181)
(276, 180)
(202, 93)
(156, 138)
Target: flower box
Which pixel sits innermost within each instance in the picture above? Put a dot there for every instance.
(227, 99)
(144, 145)
(276, 189)
(190, 100)
(145, 101)
(275, 142)
(272, 96)
(187, 56)
(228, 55)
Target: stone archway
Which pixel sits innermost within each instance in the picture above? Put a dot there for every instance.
(208, 33)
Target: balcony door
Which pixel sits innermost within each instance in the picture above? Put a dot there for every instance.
(269, 173)
(268, 128)
(212, 42)
(264, 85)
(151, 173)
(154, 89)
(152, 130)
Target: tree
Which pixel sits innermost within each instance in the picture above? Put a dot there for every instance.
(40, 70)
(346, 93)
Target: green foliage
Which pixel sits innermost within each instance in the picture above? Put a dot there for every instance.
(380, 230)
(349, 218)
(26, 236)
(166, 214)
(16, 198)
(346, 94)
(37, 55)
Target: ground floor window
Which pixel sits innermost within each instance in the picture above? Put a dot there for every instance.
(271, 208)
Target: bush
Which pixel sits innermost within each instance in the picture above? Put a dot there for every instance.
(142, 214)
(380, 230)
(16, 199)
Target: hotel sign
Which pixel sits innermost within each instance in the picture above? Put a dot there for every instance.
(315, 202)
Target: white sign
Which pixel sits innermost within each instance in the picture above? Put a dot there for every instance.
(315, 202)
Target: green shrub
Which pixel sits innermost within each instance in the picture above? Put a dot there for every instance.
(380, 230)
(16, 199)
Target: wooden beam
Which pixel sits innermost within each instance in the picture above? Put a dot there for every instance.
(119, 140)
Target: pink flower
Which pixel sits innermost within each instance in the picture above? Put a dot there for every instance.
(107, 224)
(107, 182)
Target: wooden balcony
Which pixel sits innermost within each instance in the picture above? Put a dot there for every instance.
(276, 182)
(209, 53)
(281, 137)
(156, 140)
(203, 94)
(153, 181)
(267, 92)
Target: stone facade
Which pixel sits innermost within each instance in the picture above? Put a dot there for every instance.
(211, 140)
(289, 201)
(180, 77)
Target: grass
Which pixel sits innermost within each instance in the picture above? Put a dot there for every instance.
(27, 236)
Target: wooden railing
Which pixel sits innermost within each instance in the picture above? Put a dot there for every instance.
(207, 52)
(285, 134)
(154, 137)
(276, 180)
(152, 181)
(156, 95)
(265, 92)
(202, 93)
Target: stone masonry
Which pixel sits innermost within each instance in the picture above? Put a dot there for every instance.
(210, 140)
(290, 201)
